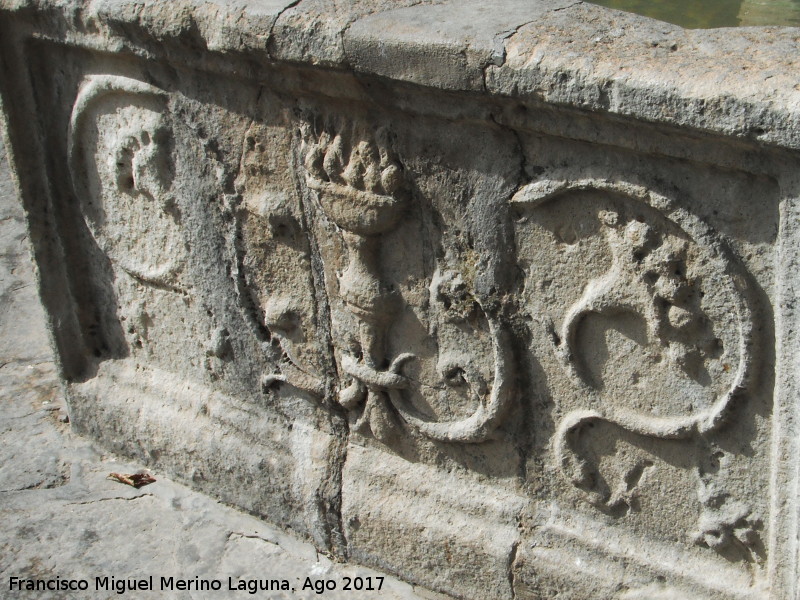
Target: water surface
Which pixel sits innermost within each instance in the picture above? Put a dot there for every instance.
(707, 14)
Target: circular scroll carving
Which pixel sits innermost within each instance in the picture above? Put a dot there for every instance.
(120, 145)
(662, 277)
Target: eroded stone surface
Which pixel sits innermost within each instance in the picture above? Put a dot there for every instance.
(64, 518)
(452, 297)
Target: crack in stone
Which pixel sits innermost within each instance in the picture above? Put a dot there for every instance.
(251, 537)
(337, 539)
(521, 178)
(31, 414)
(500, 42)
(498, 58)
(512, 558)
(271, 34)
(16, 289)
(28, 488)
(41, 485)
(25, 362)
(349, 24)
(111, 498)
(567, 7)
(329, 493)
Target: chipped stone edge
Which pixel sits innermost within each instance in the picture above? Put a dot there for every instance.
(475, 62)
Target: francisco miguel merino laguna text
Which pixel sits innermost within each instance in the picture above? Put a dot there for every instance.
(120, 585)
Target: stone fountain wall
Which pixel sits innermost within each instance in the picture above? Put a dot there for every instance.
(502, 299)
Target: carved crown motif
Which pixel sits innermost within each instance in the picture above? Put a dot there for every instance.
(357, 176)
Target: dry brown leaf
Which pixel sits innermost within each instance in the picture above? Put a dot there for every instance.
(136, 480)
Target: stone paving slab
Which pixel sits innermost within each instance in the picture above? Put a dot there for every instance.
(63, 518)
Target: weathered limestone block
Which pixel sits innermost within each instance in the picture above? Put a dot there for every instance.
(500, 298)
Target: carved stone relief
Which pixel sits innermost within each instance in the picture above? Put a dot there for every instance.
(727, 525)
(119, 156)
(526, 325)
(647, 313)
(360, 186)
(274, 263)
(656, 340)
(185, 226)
(122, 160)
